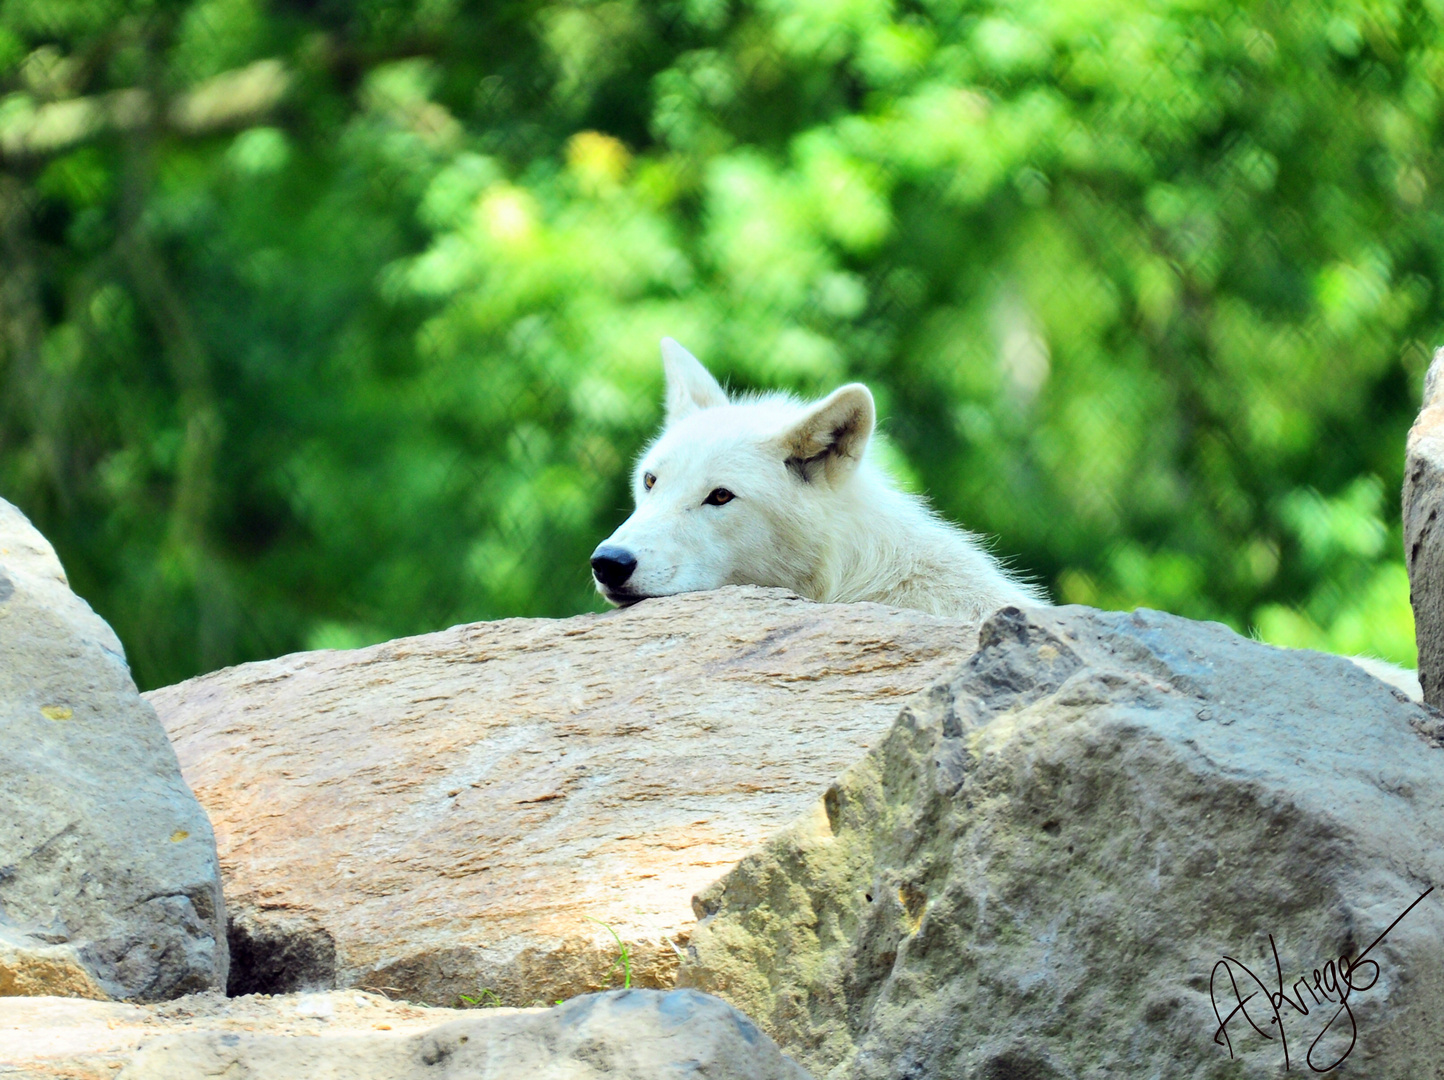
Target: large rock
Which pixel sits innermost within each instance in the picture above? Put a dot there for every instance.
(623, 1035)
(448, 814)
(1040, 869)
(1424, 531)
(109, 885)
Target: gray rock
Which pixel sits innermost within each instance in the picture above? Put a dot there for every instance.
(1424, 532)
(621, 1035)
(1039, 870)
(109, 883)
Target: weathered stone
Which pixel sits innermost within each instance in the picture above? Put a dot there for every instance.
(1424, 532)
(109, 885)
(445, 814)
(622, 1035)
(343, 1035)
(30, 967)
(1038, 870)
(92, 1040)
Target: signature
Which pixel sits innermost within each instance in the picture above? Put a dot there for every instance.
(1334, 984)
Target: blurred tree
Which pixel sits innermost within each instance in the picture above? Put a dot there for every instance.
(325, 322)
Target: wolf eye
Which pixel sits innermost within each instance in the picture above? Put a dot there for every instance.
(648, 480)
(718, 496)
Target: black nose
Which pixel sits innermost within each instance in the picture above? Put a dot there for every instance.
(613, 565)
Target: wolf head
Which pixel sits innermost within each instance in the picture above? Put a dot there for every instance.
(732, 492)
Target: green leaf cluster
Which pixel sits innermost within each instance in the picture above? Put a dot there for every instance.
(325, 323)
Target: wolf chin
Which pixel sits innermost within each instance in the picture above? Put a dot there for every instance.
(768, 490)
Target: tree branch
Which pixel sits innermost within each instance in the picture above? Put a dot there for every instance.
(231, 99)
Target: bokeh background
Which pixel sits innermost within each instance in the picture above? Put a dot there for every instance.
(327, 321)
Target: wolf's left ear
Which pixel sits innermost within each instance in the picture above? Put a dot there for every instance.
(827, 444)
(690, 386)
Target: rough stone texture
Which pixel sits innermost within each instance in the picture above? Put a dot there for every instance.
(1036, 872)
(29, 966)
(1424, 533)
(345, 1035)
(443, 814)
(91, 1040)
(622, 1035)
(109, 885)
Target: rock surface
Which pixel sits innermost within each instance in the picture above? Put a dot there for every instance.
(344, 1035)
(92, 1040)
(1424, 531)
(109, 885)
(445, 814)
(1037, 872)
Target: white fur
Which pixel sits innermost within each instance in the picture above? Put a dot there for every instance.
(811, 513)
(1400, 678)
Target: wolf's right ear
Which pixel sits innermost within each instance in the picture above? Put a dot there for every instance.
(690, 386)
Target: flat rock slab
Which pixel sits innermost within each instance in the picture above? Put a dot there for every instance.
(1041, 870)
(443, 815)
(345, 1035)
(109, 884)
(92, 1040)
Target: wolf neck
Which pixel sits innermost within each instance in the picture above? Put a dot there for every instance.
(889, 548)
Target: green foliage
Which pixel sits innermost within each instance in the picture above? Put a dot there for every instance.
(1144, 290)
(624, 954)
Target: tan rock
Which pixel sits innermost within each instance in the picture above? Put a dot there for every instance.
(443, 814)
(345, 1035)
(30, 967)
(93, 1040)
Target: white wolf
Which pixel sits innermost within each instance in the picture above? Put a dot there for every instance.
(768, 490)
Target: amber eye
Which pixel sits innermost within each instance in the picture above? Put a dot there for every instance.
(648, 480)
(718, 496)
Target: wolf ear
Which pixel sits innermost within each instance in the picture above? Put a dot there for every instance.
(690, 386)
(828, 442)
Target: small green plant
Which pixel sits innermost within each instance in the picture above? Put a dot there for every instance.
(624, 961)
(485, 998)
